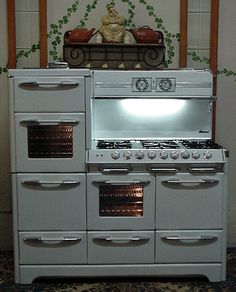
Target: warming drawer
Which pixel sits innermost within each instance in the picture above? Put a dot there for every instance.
(124, 247)
(200, 246)
(51, 201)
(52, 248)
(49, 94)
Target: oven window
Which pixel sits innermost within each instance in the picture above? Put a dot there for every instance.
(50, 141)
(121, 200)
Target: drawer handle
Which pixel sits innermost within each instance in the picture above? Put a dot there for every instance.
(114, 170)
(50, 122)
(42, 182)
(38, 84)
(52, 240)
(202, 181)
(122, 183)
(164, 170)
(191, 238)
(203, 169)
(121, 239)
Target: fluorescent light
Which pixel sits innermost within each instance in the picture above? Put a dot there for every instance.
(152, 107)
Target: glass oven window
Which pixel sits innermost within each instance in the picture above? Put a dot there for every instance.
(50, 141)
(121, 200)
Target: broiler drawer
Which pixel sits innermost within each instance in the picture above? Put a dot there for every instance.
(118, 247)
(200, 246)
(49, 94)
(52, 248)
(51, 201)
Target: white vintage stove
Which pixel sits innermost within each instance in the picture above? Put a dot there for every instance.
(114, 173)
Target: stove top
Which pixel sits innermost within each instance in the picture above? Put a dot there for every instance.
(157, 144)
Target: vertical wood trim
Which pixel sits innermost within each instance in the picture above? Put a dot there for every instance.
(43, 33)
(11, 27)
(214, 54)
(183, 33)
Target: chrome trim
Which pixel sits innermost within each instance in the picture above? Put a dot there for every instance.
(36, 121)
(51, 240)
(101, 84)
(169, 170)
(41, 182)
(202, 181)
(193, 84)
(203, 169)
(123, 183)
(49, 83)
(114, 170)
(191, 238)
(121, 239)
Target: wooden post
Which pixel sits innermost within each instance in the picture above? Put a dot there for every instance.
(183, 33)
(214, 53)
(43, 33)
(11, 25)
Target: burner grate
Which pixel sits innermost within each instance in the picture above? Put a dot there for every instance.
(102, 144)
(207, 144)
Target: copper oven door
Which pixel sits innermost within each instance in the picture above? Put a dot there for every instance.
(121, 202)
(50, 142)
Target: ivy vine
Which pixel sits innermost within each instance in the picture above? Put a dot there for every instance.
(55, 33)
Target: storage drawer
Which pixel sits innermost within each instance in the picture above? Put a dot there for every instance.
(52, 248)
(189, 201)
(120, 247)
(51, 201)
(188, 246)
(49, 94)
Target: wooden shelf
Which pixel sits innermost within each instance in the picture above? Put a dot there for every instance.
(114, 56)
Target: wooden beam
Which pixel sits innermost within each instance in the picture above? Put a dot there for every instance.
(11, 27)
(214, 54)
(43, 33)
(183, 33)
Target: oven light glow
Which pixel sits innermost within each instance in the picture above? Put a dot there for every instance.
(152, 107)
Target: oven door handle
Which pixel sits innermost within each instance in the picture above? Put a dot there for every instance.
(203, 169)
(49, 122)
(121, 182)
(44, 182)
(190, 238)
(30, 84)
(53, 241)
(164, 170)
(114, 170)
(202, 181)
(121, 239)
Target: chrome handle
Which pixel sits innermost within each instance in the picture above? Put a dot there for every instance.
(189, 238)
(51, 240)
(202, 169)
(123, 183)
(164, 170)
(111, 170)
(41, 182)
(49, 122)
(121, 239)
(56, 83)
(202, 181)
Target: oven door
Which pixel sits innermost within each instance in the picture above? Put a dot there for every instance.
(189, 201)
(121, 202)
(51, 142)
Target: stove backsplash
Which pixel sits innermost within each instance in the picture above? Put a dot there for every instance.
(151, 119)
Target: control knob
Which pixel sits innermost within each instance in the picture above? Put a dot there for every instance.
(165, 84)
(115, 155)
(152, 155)
(174, 155)
(207, 155)
(127, 155)
(164, 155)
(196, 154)
(141, 84)
(139, 154)
(185, 154)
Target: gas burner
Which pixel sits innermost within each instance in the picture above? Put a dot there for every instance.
(102, 144)
(207, 144)
(148, 144)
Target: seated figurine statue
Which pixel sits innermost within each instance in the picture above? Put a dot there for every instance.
(113, 27)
